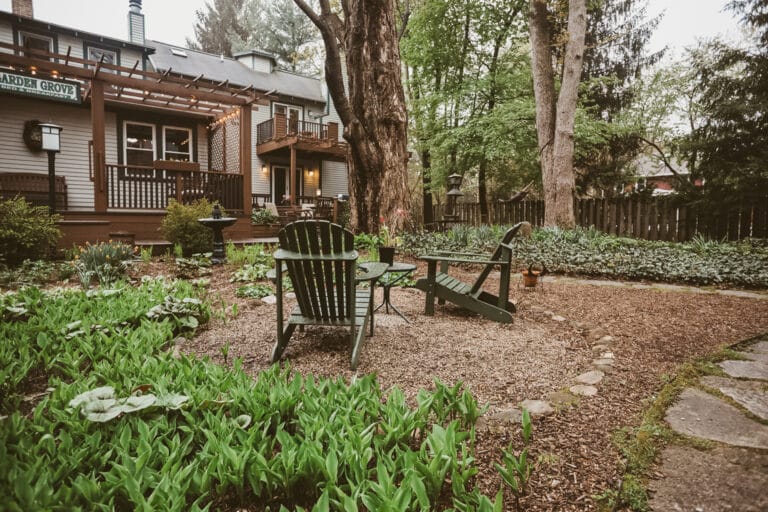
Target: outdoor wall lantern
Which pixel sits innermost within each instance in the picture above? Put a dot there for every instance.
(264, 168)
(318, 192)
(454, 183)
(52, 144)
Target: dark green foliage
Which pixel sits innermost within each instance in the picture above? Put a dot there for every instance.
(26, 231)
(31, 273)
(729, 149)
(180, 226)
(591, 253)
(218, 26)
(263, 216)
(224, 440)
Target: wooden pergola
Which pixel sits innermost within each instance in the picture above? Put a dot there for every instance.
(104, 83)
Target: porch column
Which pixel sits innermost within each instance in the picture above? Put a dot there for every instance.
(245, 157)
(99, 147)
(294, 186)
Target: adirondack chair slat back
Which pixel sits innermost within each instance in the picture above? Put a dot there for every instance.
(321, 286)
(506, 239)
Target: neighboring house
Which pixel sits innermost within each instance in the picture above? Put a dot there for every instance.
(144, 122)
(650, 171)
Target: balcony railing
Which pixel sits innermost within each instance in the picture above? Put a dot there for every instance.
(150, 188)
(280, 126)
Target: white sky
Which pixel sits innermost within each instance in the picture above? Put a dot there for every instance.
(171, 21)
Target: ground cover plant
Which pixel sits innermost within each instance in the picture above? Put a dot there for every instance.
(119, 421)
(592, 253)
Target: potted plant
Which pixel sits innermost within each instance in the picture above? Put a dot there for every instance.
(531, 276)
(388, 238)
(264, 223)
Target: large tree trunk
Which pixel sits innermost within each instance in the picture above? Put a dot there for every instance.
(426, 181)
(555, 119)
(373, 107)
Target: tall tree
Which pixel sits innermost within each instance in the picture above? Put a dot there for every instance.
(556, 113)
(371, 104)
(220, 26)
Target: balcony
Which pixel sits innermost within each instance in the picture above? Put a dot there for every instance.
(280, 135)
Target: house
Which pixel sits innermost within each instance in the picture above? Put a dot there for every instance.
(650, 171)
(145, 122)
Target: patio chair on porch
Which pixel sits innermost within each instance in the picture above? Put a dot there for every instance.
(471, 297)
(322, 264)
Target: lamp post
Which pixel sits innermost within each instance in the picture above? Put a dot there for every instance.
(52, 144)
(454, 183)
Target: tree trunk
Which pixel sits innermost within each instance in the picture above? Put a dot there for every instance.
(555, 120)
(373, 110)
(426, 181)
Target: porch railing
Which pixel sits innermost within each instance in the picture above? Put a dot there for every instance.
(149, 188)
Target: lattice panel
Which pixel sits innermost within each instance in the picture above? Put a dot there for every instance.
(225, 145)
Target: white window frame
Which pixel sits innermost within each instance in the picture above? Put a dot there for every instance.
(115, 61)
(288, 108)
(191, 142)
(24, 34)
(125, 140)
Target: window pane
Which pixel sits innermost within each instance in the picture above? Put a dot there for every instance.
(139, 136)
(177, 145)
(36, 43)
(96, 54)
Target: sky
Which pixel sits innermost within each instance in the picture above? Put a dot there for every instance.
(171, 21)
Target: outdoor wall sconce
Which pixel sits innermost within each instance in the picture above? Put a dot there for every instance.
(318, 192)
(264, 169)
(52, 144)
(310, 173)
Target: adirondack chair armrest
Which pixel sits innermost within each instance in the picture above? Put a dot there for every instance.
(462, 260)
(282, 254)
(468, 254)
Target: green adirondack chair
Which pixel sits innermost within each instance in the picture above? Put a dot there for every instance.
(471, 297)
(322, 264)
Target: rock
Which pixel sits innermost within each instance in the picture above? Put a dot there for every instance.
(599, 349)
(753, 396)
(606, 355)
(269, 299)
(754, 356)
(583, 390)
(604, 360)
(561, 398)
(582, 326)
(606, 340)
(606, 369)
(548, 313)
(745, 369)
(176, 352)
(508, 416)
(761, 346)
(290, 295)
(558, 318)
(596, 333)
(700, 414)
(591, 378)
(537, 407)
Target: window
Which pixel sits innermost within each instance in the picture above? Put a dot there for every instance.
(97, 54)
(36, 42)
(177, 144)
(290, 111)
(139, 144)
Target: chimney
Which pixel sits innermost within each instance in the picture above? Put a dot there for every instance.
(135, 22)
(22, 8)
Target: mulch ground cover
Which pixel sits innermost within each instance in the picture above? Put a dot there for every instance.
(537, 355)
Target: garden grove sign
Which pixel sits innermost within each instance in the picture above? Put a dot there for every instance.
(41, 87)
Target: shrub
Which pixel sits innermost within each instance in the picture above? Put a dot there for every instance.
(180, 226)
(263, 216)
(26, 231)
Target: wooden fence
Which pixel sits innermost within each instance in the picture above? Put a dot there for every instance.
(650, 219)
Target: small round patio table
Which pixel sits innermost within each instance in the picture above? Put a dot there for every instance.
(394, 274)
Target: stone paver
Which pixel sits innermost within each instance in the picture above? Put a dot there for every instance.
(604, 360)
(269, 299)
(537, 407)
(700, 414)
(745, 369)
(761, 346)
(754, 356)
(590, 378)
(560, 398)
(752, 395)
(583, 390)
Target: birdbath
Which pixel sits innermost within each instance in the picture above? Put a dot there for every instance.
(216, 223)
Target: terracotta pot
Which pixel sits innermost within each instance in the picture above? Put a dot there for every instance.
(530, 277)
(387, 255)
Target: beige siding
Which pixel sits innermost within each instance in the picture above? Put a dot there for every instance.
(129, 57)
(334, 179)
(260, 180)
(72, 162)
(6, 35)
(67, 41)
(202, 146)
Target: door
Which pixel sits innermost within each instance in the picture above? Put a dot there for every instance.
(281, 186)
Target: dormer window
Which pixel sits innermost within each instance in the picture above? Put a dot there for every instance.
(96, 54)
(37, 43)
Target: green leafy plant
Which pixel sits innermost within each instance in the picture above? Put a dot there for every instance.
(29, 273)
(196, 266)
(249, 273)
(516, 470)
(26, 231)
(180, 226)
(254, 291)
(264, 216)
(188, 312)
(106, 262)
